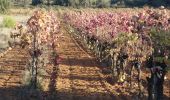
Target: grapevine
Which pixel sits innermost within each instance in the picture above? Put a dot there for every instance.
(39, 36)
(124, 37)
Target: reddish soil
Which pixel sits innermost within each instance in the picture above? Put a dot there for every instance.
(12, 66)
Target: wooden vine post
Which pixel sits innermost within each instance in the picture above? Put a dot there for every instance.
(34, 63)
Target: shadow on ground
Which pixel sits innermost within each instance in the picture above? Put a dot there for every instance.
(22, 93)
(85, 62)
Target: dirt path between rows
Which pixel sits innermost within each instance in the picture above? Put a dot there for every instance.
(12, 66)
(78, 74)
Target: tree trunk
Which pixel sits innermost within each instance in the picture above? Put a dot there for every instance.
(48, 2)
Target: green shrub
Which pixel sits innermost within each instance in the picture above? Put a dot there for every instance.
(8, 22)
(4, 5)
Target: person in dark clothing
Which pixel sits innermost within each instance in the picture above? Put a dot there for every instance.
(155, 83)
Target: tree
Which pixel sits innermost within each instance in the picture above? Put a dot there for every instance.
(103, 3)
(62, 2)
(48, 2)
(36, 2)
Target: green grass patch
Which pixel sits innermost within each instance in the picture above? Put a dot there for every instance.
(8, 22)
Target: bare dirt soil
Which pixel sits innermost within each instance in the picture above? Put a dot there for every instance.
(12, 66)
